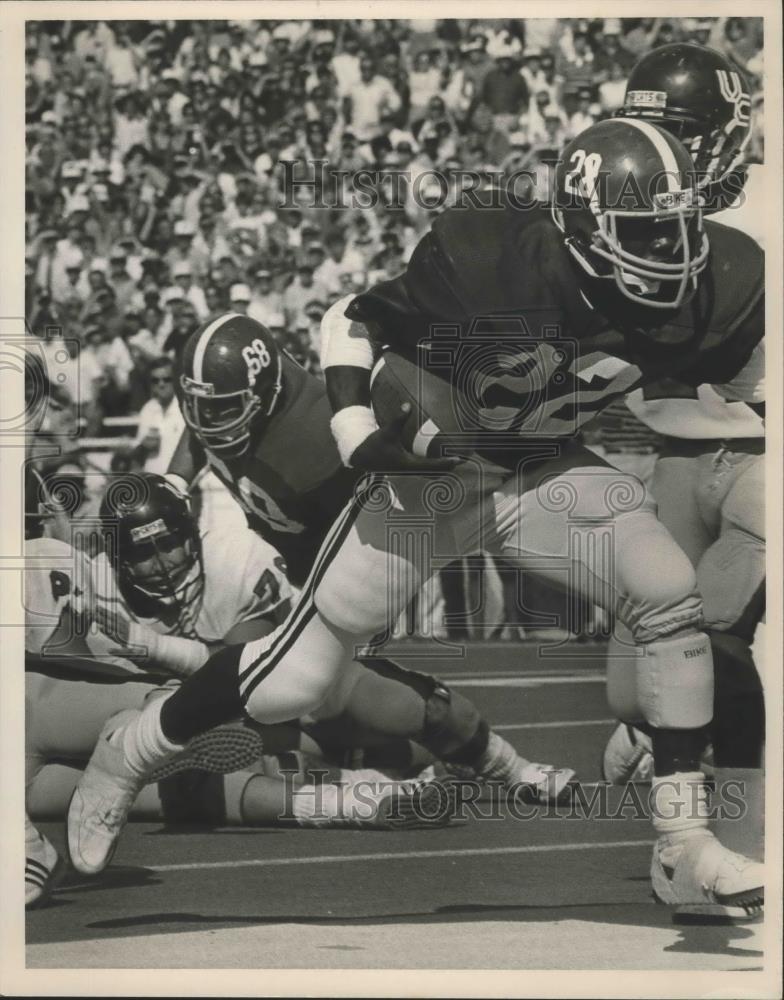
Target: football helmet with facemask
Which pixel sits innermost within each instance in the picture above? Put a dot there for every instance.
(625, 198)
(704, 100)
(230, 381)
(152, 541)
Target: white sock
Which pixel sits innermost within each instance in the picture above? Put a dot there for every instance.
(500, 761)
(143, 742)
(679, 808)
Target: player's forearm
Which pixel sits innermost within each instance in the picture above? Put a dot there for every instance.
(186, 461)
(347, 358)
(347, 385)
(174, 653)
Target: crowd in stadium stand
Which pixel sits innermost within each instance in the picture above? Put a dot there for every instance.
(161, 154)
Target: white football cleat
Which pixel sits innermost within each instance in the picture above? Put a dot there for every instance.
(708, 880)
(628, 756)
(534, 784)
(101, 801)
(542, 784)
(43, 867)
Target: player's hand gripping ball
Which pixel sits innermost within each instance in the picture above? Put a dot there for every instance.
(420, 414)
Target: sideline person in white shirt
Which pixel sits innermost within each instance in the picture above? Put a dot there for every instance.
(160, 419)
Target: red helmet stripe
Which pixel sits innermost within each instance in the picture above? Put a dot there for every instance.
(660, 141)
(204, 340)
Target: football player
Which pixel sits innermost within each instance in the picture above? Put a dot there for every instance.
(708, 480)
(527, 323)
(172, 597)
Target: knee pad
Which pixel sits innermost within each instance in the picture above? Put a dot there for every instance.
(361, 612)
(675, 682)
(622, 657)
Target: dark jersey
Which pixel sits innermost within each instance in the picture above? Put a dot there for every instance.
(491, 300)
(291, 482)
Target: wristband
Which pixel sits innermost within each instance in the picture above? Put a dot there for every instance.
(350, 427)
(178, 482)
(344, 342)
(180, 656)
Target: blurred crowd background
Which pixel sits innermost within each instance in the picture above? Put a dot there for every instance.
(157, 157)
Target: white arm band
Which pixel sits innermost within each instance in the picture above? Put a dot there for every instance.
(343, 341)
(350, 427)
(180, 656)
(178, 482)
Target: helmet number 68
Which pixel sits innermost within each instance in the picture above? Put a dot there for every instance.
(256, 356)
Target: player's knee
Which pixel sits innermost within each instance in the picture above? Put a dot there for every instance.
(661, 604)
(339, 692)
(360, 611)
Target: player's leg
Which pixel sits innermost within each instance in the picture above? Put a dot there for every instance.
(729, 492)
(675, 488)
(372, 578)
(602, 525)
(382, 699)
(731, 576)
(676, 477)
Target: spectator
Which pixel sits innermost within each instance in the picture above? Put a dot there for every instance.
(367, 102)
(122, 283)
(302, 289)
(504, 90)
(340, 260)
(577, 67)
(584, 116)
(184, 322)
(239, 298)
(122, 61)
(346, 65)
(184, 250)
(266, 304)
(160, 420)
(613, 91)
(182, 273)
(424, 82)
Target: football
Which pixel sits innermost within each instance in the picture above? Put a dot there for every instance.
(438, 424)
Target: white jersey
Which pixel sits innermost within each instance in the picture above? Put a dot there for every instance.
(244, 579)
(56, 579)
(709, 415)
